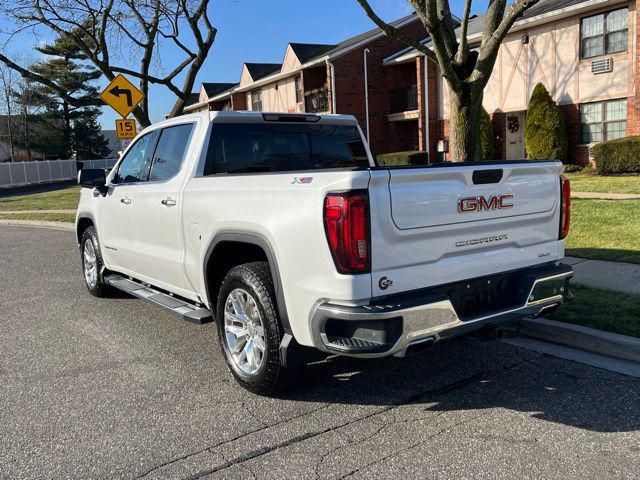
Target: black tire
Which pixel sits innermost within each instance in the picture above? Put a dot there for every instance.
(99, 288)
(255, 279)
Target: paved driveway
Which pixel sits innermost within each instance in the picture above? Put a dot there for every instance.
(119, 388)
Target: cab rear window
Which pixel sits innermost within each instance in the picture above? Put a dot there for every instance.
(256, 148)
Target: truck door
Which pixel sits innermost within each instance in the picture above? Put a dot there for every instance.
(115, 228)
(157, 213)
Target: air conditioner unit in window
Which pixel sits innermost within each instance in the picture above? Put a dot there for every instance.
(604, 65)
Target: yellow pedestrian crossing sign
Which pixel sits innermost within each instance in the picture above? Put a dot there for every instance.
(121, 95)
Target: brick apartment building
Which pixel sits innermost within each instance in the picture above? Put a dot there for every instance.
(584, 51)
(319, 78)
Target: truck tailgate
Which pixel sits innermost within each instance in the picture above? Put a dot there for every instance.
(438, 225)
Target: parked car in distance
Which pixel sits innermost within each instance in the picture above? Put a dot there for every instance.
(282, 230)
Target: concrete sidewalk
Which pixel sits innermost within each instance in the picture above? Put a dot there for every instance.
(622, 277)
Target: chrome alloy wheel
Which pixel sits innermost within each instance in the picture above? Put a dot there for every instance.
(244, 331)
(90, 263)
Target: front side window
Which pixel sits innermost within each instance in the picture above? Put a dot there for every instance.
(170, 152)
(605, 33)
(256, 101)
(603, 120)
(134, 167)
(254, 148)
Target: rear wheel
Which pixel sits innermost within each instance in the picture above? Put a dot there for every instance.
(249, 329)
(92, 264)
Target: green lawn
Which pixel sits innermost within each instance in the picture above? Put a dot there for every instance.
(35, 215)
(605, 230)
(54, 200)
(581, 182)
(602, 309)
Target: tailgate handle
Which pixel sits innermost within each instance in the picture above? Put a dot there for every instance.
(483, 177)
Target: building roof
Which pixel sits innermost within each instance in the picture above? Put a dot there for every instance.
(315, 53)
(308, 51)
(476, 23)
(194, 97)
(212, 89)
(363, 36)
(261, 70)
(544, 7)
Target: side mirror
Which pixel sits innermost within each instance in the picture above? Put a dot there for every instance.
(93, 178)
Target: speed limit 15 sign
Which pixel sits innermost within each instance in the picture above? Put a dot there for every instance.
(125, 128)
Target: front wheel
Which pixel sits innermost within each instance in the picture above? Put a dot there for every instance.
(249, 330)
(92, 265)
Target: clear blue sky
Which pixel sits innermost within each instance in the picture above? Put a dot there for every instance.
(259, 31)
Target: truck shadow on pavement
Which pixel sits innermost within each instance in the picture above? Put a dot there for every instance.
(471, 374)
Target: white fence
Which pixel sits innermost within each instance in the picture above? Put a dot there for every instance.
(29, 173)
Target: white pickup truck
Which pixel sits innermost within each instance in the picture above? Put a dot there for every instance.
(282, 229)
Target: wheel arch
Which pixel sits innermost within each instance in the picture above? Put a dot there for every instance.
(257, 244)
(83, 222)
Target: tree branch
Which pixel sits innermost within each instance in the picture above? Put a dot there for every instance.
(394, 32)
(29, 75)
(463, 47)
(491, 40)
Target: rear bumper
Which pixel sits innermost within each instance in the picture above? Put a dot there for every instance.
(393, 325)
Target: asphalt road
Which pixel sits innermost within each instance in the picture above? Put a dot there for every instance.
(117, 388)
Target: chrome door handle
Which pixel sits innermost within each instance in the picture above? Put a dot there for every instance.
(125, 200)
(168, 202)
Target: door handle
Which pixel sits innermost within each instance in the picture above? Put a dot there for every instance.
(125, 200)
(168, 202)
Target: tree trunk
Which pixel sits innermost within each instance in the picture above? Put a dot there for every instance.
(67, 129)
(25, 119)
(10, 129)
(142, 117)
(464, 124)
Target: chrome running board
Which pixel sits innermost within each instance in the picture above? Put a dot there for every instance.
(188, 311)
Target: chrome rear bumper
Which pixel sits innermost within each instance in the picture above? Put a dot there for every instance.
(390, 327)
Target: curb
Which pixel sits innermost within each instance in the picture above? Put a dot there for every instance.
(39, 224)
(583, 338)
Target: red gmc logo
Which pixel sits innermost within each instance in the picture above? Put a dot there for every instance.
(480, 203)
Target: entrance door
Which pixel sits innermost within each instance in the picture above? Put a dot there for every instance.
(515, 136)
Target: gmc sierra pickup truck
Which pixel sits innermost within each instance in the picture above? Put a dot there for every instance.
(282, 229)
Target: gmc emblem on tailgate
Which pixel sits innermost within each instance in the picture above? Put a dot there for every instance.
(481, 203)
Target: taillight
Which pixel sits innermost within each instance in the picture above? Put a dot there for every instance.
(565, 206)
(346, 222)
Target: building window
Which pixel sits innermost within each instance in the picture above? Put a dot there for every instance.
(603, 120)
(604, 33)
(298, 89)
(256, 100)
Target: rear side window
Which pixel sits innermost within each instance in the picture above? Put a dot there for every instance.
(254, 148)
(170, 152)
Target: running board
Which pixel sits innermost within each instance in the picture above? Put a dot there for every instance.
(188, 311)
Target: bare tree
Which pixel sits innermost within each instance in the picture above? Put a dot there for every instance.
(6, 86)
(110, 33)
(466, 71)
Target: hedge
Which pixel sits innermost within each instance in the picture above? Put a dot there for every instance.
(617, 156)
(399, 159)
(545, 135)
(486, 135)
